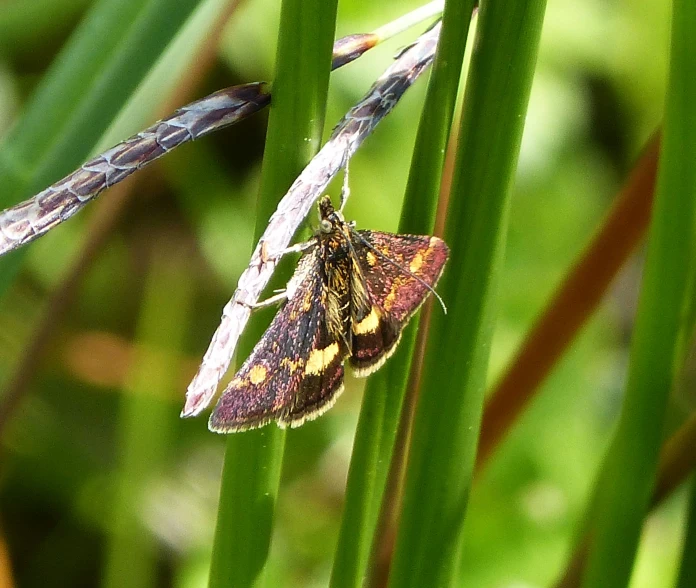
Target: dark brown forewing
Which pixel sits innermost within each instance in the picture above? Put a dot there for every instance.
(394, 292)
(373, 331)
(370, 349)
(295, 371)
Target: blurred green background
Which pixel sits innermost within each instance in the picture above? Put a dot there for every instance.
(95, 447)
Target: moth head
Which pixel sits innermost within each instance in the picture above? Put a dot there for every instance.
(328, 215)
(325, 225)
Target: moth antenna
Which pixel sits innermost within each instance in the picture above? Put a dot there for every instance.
(403, 269)
(349, 345)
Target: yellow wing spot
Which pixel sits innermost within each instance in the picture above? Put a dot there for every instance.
(307, 301)
(292, 366)
(368, 325)
(391, 297)
(389, 300)
(416, 263)
(371, 259)
(319, 359)
(257, 374)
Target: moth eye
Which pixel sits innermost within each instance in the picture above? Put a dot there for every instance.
(326, 225)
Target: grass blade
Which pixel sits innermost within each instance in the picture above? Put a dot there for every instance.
(573, 303)
(445, 431)
(82, 94)
(253, 459)
(146, 423)
(138, 108)
(687, 572)
(660, 332)
(23, 25)
(383, 396)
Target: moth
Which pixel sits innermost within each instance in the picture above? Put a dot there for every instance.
(349, 299)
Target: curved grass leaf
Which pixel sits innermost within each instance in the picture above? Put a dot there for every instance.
(107, 57)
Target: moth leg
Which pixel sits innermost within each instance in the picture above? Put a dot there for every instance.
(275, 256)
(281, 296)
(345, 190)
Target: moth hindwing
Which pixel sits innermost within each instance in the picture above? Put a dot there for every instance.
(349, 298)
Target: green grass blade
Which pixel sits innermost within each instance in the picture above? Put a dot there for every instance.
(443, 445)
(147, 421)
(253, 459)
(422, 191)
(383, 396)
(24, 25)
(101, 66)
(660, 332)
(687, 571)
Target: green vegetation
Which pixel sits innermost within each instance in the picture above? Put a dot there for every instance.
(104, 484)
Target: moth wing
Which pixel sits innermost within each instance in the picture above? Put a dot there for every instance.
(295, 371)
(396, 271)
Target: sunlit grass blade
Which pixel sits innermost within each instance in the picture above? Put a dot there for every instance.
(660, 334)
(105, 60)
(382, 399)
(445, 431)
(147, 421)
(677, 460)
(687, 571)
(253, 459)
